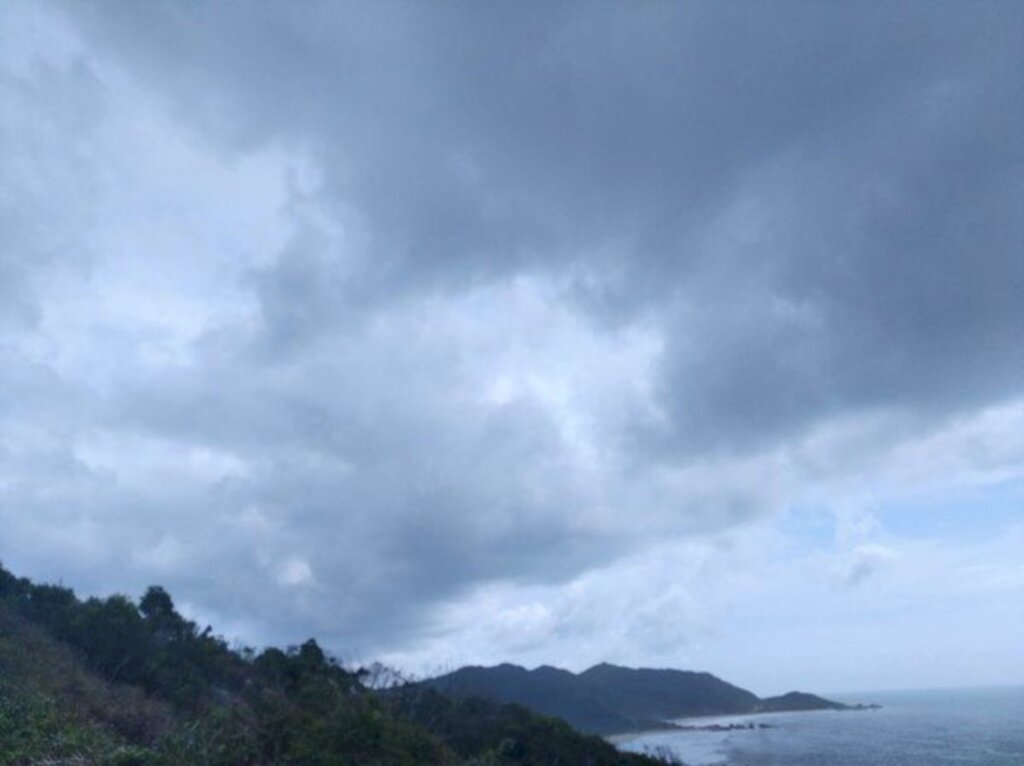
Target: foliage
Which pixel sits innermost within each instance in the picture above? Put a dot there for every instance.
(489, 732)
(108, 682)
(51, 707)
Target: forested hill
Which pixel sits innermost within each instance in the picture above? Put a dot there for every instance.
(609, 699)
(112, 682)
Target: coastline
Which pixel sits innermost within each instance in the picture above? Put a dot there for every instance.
(978, 726)
(728, 722)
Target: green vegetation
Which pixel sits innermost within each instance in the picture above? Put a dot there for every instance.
(108, 682)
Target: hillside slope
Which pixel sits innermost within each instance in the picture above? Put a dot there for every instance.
(52, 706)
(111, 682)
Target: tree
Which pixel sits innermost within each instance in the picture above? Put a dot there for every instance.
(157, 604)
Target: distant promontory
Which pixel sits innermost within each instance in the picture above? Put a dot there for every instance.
(609, 699)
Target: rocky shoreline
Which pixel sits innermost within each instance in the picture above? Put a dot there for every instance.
(656, 726)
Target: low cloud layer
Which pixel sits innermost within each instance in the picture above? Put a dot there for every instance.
(357, 320)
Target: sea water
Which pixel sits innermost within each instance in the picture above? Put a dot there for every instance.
(975, 727)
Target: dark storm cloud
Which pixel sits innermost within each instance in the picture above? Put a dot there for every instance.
(32, 237)
(475, 142)
(813, 209)
(895, 283)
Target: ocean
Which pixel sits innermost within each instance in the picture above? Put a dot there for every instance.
(966, 727)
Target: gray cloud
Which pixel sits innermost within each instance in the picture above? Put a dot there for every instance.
(876, 148)
(535, 285)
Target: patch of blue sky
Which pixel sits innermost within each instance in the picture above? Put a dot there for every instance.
(810, 525)
(965, 513)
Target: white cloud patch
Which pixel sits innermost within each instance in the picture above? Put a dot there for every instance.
(295, 571)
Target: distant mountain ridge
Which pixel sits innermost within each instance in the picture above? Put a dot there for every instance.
(608, 699)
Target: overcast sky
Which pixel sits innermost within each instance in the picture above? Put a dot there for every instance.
(678, 334)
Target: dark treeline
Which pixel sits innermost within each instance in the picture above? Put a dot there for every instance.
(113, 682)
